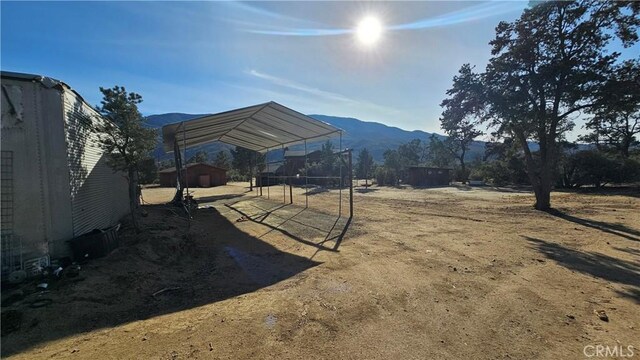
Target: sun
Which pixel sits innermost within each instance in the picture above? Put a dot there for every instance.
(369, 31)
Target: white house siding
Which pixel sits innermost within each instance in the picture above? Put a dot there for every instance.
(99, 196)
(32, 137)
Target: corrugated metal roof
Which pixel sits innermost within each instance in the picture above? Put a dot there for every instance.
(257, 127)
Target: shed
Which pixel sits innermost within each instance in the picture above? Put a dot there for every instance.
(197, 174)
(428, 176)
(56, 184)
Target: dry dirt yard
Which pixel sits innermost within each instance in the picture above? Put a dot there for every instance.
(449, 273)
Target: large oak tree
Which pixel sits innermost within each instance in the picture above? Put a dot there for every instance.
(547, 67)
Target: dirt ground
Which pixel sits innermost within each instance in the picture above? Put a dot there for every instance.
(448, 273)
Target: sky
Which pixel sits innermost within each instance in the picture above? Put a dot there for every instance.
(208, 57)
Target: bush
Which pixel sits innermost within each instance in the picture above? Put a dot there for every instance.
(595, 168)
(386, 177)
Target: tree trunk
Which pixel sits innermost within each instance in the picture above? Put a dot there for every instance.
(542, 180)
(543, 194)
(133, 198)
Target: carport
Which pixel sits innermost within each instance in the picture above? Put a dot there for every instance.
(261, 128)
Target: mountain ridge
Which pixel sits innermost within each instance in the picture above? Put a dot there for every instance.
(358, 134)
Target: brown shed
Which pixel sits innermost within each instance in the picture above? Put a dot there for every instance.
(198, 175)
(428, 176)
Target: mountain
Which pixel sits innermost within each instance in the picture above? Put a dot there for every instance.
(358, 134)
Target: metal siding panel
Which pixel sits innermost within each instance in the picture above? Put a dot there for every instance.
(99, 196)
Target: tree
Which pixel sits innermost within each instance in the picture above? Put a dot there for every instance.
(393, 163)
(147, 171)
(327, 158)
(547, 67)
(615, 119)
(246, 162)
(412, 153)
(437, 153)
(459, 118)
(124, 138)
(364, 167)
(222, 160)
(200, 156)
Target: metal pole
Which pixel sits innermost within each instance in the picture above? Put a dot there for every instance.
(268, 175)
(284, 182)
(340, 164)
(186, 174)
(306, 177)
(350, 185)
(260, 174)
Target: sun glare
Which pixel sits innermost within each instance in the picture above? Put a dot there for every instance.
(369, 31)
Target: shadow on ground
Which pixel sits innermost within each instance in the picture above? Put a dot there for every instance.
(213, 262)
(307, 226)
(610, 228)
(597, 265)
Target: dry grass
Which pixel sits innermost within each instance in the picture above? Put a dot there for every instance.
(443, 273)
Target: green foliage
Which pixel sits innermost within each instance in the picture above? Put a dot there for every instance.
(438, 154)
(546, 67)
(147, 171)
(328, 158)
(460, 116)
(504, 164)
(127, 143)
(246, 163)
(199, 157)
(615, 120)
(412, 153)
(124, 138)
(364, 165)
(592, 167)
(222, 160)
(385, 177)
(392, 167)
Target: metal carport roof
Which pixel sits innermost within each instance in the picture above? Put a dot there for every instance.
(258, 127)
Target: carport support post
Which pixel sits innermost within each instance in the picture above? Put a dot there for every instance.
(341, 180)
(284, 182)
(350, 185)
(306, 178)
(266, 157)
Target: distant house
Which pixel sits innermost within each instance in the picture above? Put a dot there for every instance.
(56, 184)
(198, 175)
(294, 161)
(428, 176)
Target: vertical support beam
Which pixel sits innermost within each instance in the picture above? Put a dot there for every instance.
(306, 177)
(260, 173)
(350, 185)
(284, 181)
(186, 176)
(340, 164)
(254, 168)
(266, 159)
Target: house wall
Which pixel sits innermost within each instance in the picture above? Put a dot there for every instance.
(33, 137)
(99, 196)
(428, 177)
(217, 176)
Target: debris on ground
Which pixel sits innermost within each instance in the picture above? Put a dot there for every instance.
(165, 290)
(602, 315)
